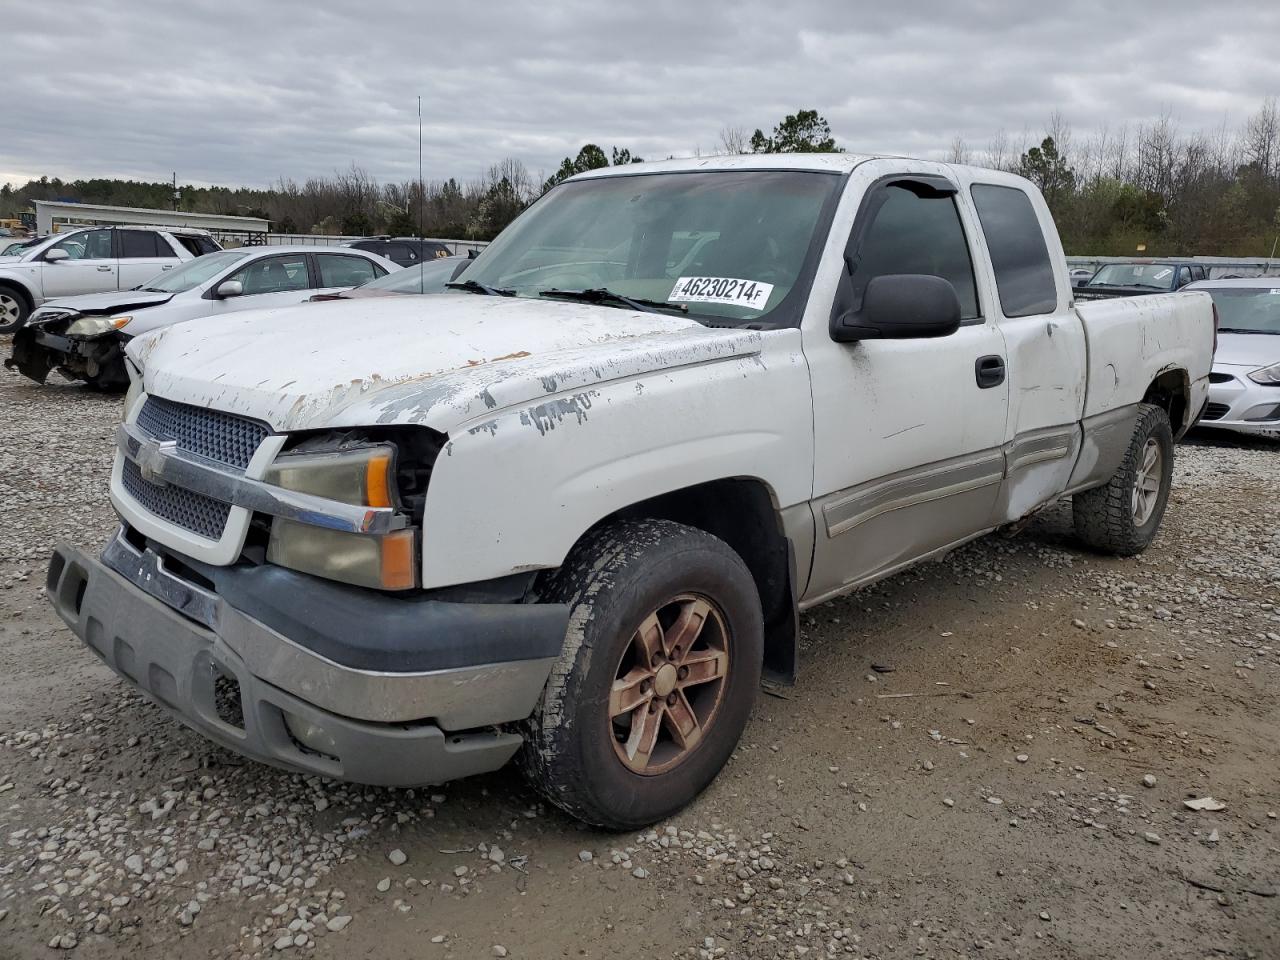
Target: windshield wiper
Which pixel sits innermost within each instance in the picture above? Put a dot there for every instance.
(475, 286)
(1271, 333)
(606, 297)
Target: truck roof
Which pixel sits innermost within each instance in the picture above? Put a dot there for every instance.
(816, 162)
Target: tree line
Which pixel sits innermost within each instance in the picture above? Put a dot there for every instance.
(1112, 192)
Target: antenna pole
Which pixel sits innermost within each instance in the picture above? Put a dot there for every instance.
(420, 185)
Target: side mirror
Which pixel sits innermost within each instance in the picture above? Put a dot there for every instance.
(901, 306)
(55, 255)
(230, 288)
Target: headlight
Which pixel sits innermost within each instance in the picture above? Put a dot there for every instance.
(1267, 376)
(364, 476)
(387, 562)
(96, 326)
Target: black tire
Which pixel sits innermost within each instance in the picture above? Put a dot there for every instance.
(1106, 518)
(613, 581)
(14, 309)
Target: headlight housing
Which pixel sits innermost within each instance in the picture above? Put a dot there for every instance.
(1267, 376)
(88, 327)
(364, 476)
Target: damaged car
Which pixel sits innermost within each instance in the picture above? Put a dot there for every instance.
(84, 338)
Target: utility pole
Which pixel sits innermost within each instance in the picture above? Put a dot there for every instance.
(176, 195)
(420, 186)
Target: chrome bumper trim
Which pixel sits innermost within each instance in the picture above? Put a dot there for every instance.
(163, 462)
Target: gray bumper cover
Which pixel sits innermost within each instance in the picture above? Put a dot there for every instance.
(179, 663)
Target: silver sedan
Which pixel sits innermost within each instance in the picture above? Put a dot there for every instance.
(1244, 387)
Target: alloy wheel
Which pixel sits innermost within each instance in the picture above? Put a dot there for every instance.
(669, 684)
(1146, 486)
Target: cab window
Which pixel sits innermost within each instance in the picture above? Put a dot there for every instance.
(915, 230)
(1015, 240)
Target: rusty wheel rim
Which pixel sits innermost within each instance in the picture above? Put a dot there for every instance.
(669, 683)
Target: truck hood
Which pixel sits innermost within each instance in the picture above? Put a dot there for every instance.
(1247, 349)
(438, 361)
(111, 302)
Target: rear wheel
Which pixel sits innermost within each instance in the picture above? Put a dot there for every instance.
(1123, 515)
(657, 678)
(13, 310)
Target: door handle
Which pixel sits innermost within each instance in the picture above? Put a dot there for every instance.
(104, 269)
(989, 371)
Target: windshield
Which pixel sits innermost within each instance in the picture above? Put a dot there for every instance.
(194, 272)
(1157, 276)
(429, 277)
(1247, 310)
(731, 246)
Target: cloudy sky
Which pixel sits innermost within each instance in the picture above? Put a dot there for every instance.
(233, 92)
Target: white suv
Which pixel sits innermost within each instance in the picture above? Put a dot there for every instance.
(92, 260)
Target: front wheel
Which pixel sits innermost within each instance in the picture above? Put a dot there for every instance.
(1123, 515)
(657, 678)
(13, 310)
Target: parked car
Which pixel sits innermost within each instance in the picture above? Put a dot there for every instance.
(84, 337)
(406, 251)
(1080, 275)
(574, 508)
(430, 277)
(1244, 387)
(1135, 278)
(92, 260)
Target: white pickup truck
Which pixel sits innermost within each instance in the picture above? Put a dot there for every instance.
(572, 509)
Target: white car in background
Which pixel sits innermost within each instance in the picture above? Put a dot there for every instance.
(84, 337)
(92, 260)
(1244, 387)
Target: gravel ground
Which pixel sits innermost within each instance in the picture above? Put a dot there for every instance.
(990, 755)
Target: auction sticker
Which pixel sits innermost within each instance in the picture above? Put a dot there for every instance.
(737, 293)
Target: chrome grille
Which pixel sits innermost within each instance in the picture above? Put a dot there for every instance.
(202, 515)
(212, 434)
(1215, 411)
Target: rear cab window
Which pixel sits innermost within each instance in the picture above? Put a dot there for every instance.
(1019, 256)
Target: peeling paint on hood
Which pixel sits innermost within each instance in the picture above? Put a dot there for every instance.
(438, 361)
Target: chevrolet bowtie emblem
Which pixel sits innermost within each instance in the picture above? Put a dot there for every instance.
(150, 459)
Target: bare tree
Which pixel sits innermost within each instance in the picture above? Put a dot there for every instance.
(997, 155)
(1261, 139)
(960, 152)
(735, 140)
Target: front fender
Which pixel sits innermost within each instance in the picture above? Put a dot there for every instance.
(514, 492)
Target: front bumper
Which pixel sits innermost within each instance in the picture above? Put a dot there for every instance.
(253, 690)
(1237, 403)
(36, 351)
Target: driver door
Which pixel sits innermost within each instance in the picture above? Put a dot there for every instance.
(907, 432)
(90, 267)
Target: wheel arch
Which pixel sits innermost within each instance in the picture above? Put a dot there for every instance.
(1171, 391)
(743, 512)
